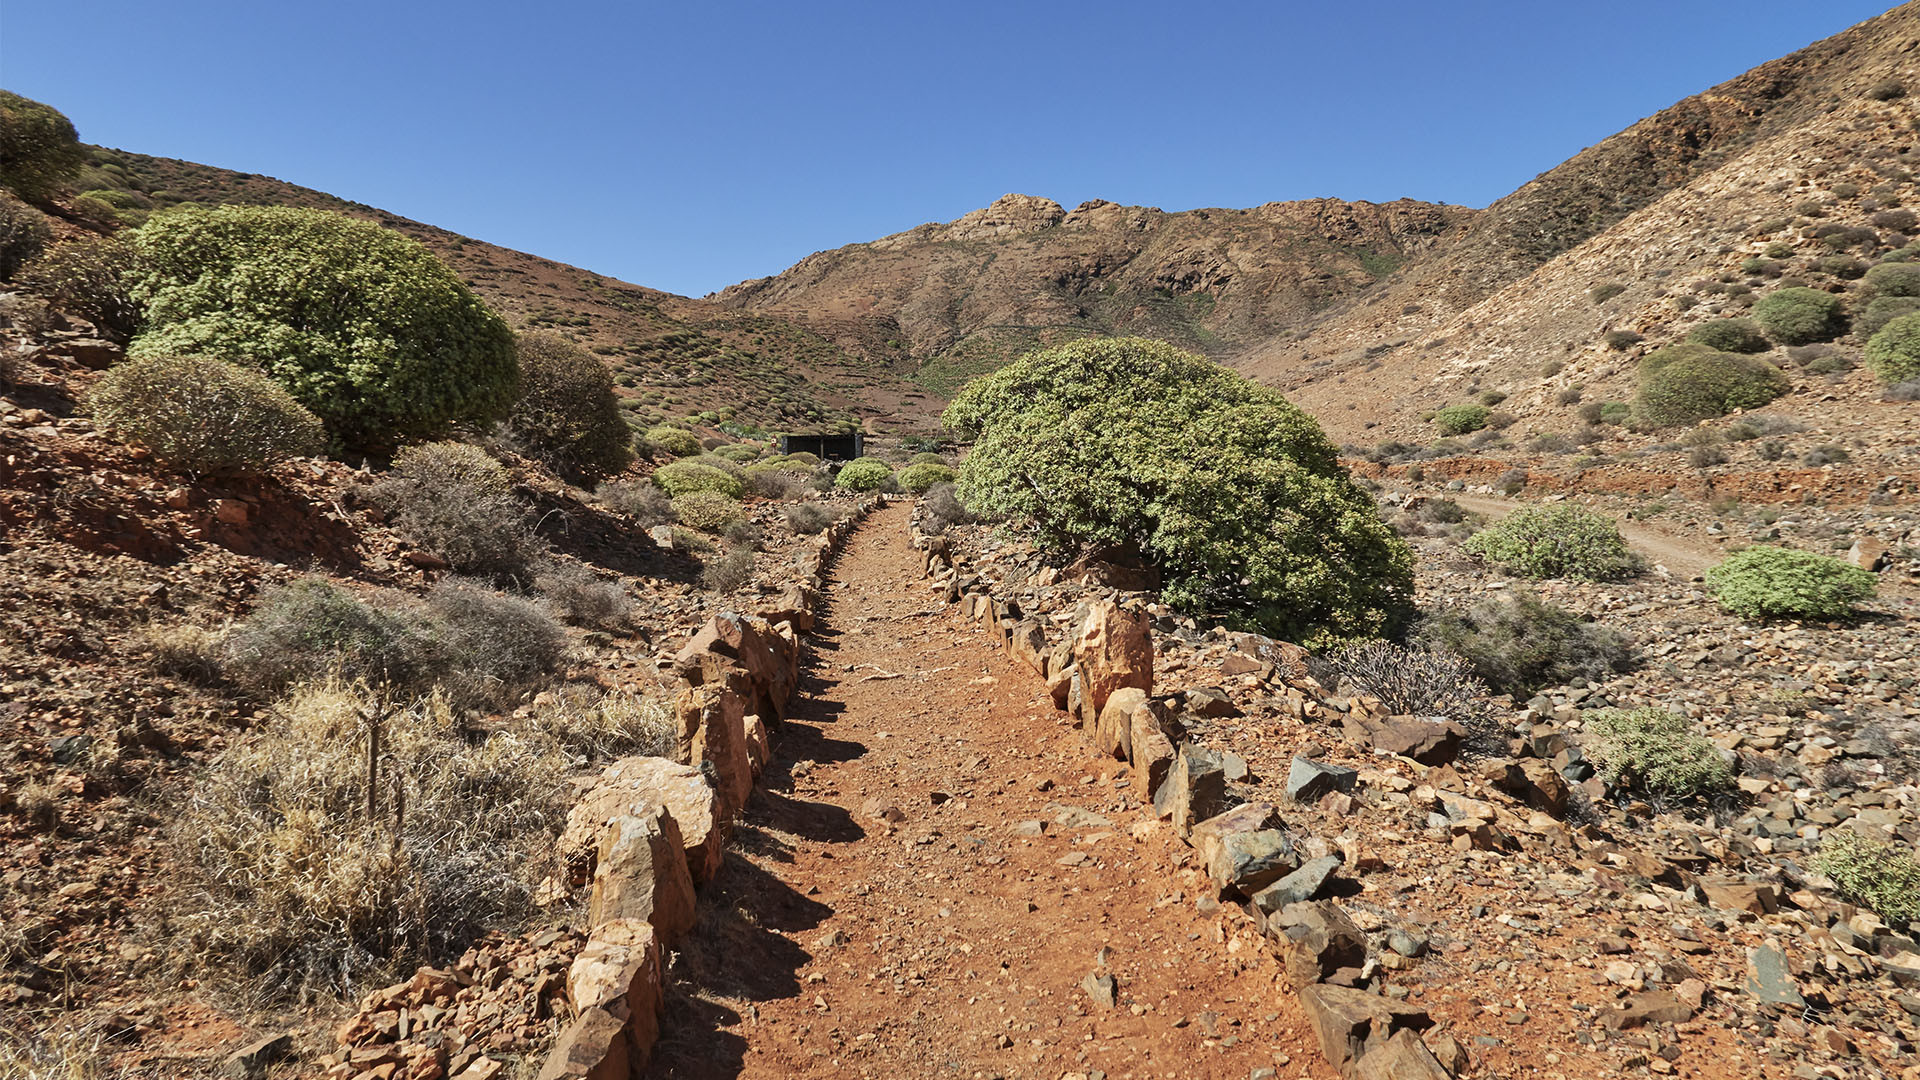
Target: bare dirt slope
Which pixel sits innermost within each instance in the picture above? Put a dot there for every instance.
(838, 943)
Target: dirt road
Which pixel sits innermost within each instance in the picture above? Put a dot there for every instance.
(957, 941)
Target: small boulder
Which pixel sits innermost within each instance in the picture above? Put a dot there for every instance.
(1307, 779)
(643, 875)
(1114, 650)
(1195, 788)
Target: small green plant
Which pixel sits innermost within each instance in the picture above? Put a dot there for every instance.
(708, 511)
(204, 416)
(1730, 335)
(1622, 339)
(866, 474)
(1764, 582)
(1461, 419)
(1872, 872)
(1684, 384)
(686, 477)
(1893, 354)
(1798, 315)
(1561, 541)
(1893, 279)
(1523, 645)
(920, 478)
(675, 441)
(1651, 752)
(1600, 294)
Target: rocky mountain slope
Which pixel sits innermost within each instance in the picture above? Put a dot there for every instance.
(671, 356)
(963, 297)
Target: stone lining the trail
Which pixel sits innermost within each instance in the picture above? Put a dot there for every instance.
(646, 834)
(1721, 967)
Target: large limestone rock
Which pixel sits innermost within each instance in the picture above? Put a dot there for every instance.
(1315, 940)
(769, 658)
(1113, 731)
(643, 875)
(713, 734)
(1114, 650)
(636, 786)
(620, 971)
(1195, 788)
(1153, 742)
(1352, 1023)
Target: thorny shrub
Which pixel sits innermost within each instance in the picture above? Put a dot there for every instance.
(1873, 872)
(1523, 645)
(1562, 541)
(639, 500)
(583, 599)
(202, 415)
(1651, 752)
(458, 503)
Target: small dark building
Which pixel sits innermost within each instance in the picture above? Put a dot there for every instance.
(826, 447)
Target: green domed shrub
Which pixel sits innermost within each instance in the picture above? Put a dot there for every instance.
(1730, 335)
(362, 324)
(866, 474)
(804, 458)
(708, 511)
(1764, 582)
(677, 441)
(1652, 752)
(1561, 541)
(1799, 315)
(40, 152)
(1894, 279)
(567, 415)
(683, 477)
(1683, 384)
(1232, 492)
(1462, 419)
(1894, 353)
(926, 458)
(1873, 872)
(919, 478)
(738, 453)
(204, 415)
(1882, 310)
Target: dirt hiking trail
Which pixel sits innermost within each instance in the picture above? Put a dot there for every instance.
(937, 870)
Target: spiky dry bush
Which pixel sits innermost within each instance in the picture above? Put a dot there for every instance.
(729, 572)
(584, 599)
(202, 415)
(499, 646)
(311, 874)
(458, 503)
(63, 1050)
(184, 651)
(600, 726)
(1411, 682)
(637, 499)
(811, 519)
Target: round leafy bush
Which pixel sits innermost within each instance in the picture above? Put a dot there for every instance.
(1730, 335)
(23, 234)
(1894, 352)
(804, 458)
(1882, 310)
(1684, 384)
(1894, 279)
(708, 511)
(1561, 541)
(926, 458)
(204, 415)
(677, 441)
(364, 325)
(1872, 871)
(919, 478)
(40, 152)
(738, 453)
(1235, 495)
(87, 277)
(683, 477)
(1764, 582)
(567, 415)
(1462, 419)
(1650, 751)
(1798, 315)
(866, 474)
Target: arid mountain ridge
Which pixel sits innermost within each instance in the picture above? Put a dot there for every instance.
(1426, 299)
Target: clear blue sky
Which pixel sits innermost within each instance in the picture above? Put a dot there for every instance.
(688, 146)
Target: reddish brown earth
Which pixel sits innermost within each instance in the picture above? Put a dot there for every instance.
(836, 944)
